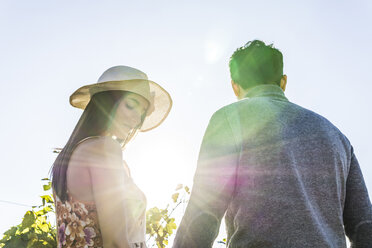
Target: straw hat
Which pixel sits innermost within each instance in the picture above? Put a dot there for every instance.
(133, 80)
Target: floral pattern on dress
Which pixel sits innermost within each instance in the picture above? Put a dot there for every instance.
(78, 227)
(77, 224)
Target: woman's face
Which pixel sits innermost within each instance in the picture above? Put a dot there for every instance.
(128, 114)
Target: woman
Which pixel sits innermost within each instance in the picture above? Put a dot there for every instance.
(97, 202)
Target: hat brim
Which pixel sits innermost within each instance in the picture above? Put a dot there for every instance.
(160, 100)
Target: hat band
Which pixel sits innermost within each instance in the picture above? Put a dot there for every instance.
(137, 86)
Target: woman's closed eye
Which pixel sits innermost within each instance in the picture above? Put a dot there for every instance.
(131, 103)
(136, 103)
(130, 106)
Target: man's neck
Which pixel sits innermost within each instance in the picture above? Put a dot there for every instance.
(262, 90)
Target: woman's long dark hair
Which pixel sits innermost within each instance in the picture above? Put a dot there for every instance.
(95, 121)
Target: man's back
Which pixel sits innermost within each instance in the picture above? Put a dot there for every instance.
(291, 176)
(285, 176)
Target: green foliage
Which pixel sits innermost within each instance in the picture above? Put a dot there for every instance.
(159, 223)
(35, 230)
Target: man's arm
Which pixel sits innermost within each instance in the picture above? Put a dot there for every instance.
(214, 184)
(357, 209)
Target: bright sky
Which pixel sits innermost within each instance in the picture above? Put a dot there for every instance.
(48, 49)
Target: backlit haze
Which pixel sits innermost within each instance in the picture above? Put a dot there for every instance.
(49, 49)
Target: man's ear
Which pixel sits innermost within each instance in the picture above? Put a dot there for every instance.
(236, 88)
(283, 82)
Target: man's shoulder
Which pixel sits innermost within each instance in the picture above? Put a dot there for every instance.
(313, 115)
(235, 106)
(233, 110)
(227, 117)
(231, 113)
(232, 107)
(320, 123)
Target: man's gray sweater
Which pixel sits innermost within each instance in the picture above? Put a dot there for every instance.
(282, 175)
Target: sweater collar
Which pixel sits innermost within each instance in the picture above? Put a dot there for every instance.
(266, 90)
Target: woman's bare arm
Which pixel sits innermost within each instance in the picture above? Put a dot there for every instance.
(103, 157)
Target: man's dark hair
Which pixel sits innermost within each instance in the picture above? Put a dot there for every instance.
(256, 63)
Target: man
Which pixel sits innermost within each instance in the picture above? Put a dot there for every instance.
(282, 175)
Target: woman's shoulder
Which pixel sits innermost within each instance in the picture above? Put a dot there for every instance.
(94, 142)
(98, 148)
